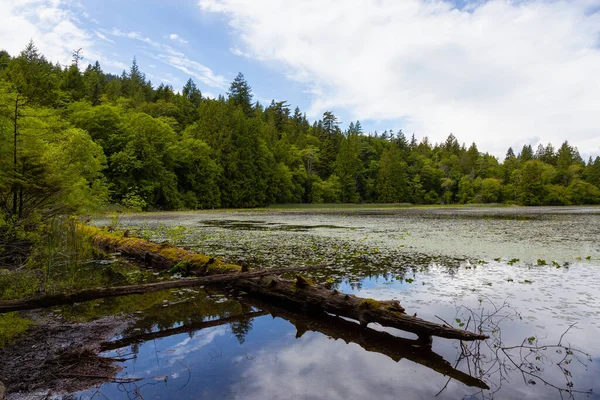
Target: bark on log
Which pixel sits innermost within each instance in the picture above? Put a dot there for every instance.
(99, 293)
(319, 299)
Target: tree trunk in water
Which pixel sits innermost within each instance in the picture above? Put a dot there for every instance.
(320, 299)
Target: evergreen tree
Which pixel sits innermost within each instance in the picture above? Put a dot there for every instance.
(240, 94)
(192, 93)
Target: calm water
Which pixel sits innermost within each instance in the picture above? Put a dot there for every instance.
(461, 266)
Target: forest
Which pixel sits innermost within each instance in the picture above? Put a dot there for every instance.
(76, 138)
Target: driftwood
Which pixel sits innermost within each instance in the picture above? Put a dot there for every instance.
(99, 293)
(319, 299)
(299, 294)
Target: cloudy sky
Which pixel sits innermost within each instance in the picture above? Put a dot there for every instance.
(501, 73)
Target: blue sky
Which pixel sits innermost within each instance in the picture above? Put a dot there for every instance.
(501, 73)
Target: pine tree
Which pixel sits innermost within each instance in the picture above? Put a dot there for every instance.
(192, 93)
(240, 94)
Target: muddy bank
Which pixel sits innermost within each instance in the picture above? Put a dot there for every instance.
(57, 357)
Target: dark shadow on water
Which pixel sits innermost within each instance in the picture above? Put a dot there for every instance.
(249, 225)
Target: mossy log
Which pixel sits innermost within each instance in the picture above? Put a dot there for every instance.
(161, 256)
(99, 293)
(319, 299)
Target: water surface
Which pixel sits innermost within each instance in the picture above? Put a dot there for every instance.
(530, 274)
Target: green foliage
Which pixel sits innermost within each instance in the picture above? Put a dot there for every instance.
(60, 251)
(18, 284)
(85, 138)
(329, 191)
(134, 202)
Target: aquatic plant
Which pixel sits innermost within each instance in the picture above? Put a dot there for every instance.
(497, 361)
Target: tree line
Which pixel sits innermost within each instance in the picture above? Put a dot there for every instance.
(75, 136)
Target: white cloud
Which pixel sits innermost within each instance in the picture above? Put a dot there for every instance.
(177, 38)
(496, 72)
(103, 37)
(138, 36)
(51, 24)
(194, 69)
(174, 58)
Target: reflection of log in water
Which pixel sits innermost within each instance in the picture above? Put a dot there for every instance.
(193, 327)
(317, 299)
(394, 347)
(371, 340)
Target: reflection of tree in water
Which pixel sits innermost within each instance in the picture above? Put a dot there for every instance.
(533, 360)
(240, 329)
(488, 364)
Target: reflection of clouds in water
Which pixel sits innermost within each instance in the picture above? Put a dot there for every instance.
(555, 298)
(192, 344)
(181, 350)
(316, 367)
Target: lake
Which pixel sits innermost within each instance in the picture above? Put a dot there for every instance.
(528, 277)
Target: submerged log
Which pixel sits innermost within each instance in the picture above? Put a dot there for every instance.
(99, 293)
(319, 299)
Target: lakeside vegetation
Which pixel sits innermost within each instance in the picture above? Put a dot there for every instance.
(75, 136)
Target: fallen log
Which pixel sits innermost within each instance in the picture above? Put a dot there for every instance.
(161, 256)
(300, 294)
(319, 299)
(99, 293)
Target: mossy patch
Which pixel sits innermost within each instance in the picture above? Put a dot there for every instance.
(12, 326)
(302, 281)
(369, 304)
